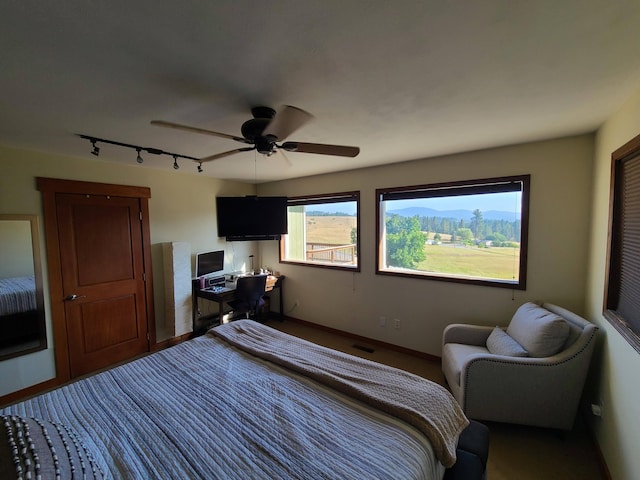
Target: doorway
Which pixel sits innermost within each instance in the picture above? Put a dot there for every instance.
(99, 262)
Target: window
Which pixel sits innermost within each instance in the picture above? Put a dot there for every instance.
(323, 231)
(622, 292)
(469, 232)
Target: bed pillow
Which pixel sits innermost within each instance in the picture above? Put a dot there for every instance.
(501, 343)
(540, 332)
(43, 448)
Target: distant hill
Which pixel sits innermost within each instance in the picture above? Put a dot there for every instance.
(457, 214)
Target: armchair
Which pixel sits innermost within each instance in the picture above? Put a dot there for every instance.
(542, 388)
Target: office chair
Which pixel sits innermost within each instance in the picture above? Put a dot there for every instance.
(249, 292)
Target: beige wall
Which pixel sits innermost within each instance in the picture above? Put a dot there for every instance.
(182, 209)
(558, 240)
(617, 367)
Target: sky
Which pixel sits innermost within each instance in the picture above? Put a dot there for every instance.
(505, 202)
(342, 207)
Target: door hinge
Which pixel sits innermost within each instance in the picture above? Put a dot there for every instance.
(144, 276)
(140, 215)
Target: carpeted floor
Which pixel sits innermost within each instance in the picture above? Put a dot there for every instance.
(516, 452)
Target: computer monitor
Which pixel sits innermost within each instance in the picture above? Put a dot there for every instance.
(209, 262)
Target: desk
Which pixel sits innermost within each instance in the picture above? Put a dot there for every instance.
(201, 324)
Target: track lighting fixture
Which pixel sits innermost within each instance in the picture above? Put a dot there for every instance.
(154, 151)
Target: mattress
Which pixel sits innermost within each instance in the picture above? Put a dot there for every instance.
(17, 295)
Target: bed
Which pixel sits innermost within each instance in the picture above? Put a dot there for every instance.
(244, 401)
(18, 309)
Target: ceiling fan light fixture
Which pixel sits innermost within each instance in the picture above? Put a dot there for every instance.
(265, 129)
(265, 145)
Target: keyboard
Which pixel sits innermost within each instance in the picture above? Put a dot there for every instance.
(217, 289)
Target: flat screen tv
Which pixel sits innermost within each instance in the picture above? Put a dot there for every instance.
(251, 217)
(209, 262)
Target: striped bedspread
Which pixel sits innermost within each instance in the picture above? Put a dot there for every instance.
(205, 409)
(424, 404)
(17, 295)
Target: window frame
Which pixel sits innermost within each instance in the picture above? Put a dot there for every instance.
(457, 188)
(615, 279)
(323, 198)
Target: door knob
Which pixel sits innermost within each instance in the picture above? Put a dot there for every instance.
(73, 296)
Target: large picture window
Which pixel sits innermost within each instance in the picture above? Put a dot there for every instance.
(470, 232)
(323, 231)
(622, 293)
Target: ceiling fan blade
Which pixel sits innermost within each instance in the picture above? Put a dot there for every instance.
(281, 152)
(162, 123)
(226, 154)
(322, 149)
(287, 120)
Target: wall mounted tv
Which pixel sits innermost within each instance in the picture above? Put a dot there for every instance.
(251, 217)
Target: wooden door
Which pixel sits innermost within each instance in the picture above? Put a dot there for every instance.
(102, 279)
(99, 262)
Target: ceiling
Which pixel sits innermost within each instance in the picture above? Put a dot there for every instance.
(402, 80)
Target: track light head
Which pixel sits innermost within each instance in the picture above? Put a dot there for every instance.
(139, 149)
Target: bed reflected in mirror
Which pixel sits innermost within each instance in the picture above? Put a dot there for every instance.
(22, 317)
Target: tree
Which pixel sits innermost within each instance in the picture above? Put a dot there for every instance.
(354, 239)
(466, 235)
(405, 241)
(477, 224)
(498, 239)
(437, 238)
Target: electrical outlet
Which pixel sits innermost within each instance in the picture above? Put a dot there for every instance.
(382, 321)
(396, 323)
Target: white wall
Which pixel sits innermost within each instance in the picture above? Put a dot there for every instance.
(558, 239)
(181, 207)
(617, 366)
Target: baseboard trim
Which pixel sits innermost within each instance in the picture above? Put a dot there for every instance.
(369, 341)
(25, 393)
(604, 468)
(170, 342)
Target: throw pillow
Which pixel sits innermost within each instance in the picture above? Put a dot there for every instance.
(33, 448)
(540, 332)
(500, 343)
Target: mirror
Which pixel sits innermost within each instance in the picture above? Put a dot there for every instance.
(22, 318)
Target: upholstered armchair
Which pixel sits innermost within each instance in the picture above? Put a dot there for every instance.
(531, 374)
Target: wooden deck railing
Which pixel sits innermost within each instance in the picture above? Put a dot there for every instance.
(331, 253)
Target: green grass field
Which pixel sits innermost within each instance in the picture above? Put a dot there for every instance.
(494, 262)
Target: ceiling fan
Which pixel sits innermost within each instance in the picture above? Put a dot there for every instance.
(265, 130)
